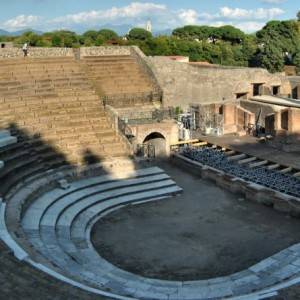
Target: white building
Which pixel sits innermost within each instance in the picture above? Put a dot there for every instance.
(149, 26)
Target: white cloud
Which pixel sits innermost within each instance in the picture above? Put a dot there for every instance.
(188, 16)
(256, 14)
(273, 1)
(114, 14)
(21, 22)
(162, 17)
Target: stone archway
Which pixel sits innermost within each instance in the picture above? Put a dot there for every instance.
(158, 141)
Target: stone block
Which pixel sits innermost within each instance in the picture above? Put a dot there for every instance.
(294, 208)
(281, 203)
(224, 181)
(64, 184)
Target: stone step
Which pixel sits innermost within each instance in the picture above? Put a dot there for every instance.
(54, 252)
(109, 59)
(4, 133)
(49, 198)
(66, 209)
(57, 101)
(37, 86)
(43, 111)
(7, 140)
(15, 155)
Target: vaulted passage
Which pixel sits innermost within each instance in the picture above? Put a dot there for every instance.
(158, 141)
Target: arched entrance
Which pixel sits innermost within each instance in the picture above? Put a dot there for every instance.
(158, 142)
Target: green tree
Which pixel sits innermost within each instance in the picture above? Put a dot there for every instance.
(296, 61)
(91, 34)
(193, 32)
(203, 33)
(56, 41)
(29, 37)
(139, 34)
(99, 40)
(108, 34)
(272, 58)
(88, 42)
(285, 34)
(298, 15)
(231, 34)
(278, 38)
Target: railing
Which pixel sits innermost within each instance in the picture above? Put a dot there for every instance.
(158, 115)
(125, 130)
(123, 99)
(123, 125)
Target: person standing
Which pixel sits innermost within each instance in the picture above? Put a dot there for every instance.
(25, 49)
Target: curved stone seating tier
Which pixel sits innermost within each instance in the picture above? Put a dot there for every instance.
(20, 281)
(55, 237)
(116, 76)
(6, 139)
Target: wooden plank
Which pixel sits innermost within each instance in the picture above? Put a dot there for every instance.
(237, 157)
(258, 164)
(274, 166)
(247, 160)
(200, 144)
(185, 142)
(286, 170)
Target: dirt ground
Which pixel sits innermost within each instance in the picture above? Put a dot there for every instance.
(205, 232)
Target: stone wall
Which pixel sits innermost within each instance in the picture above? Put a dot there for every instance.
(260, 110)
(35, 52)
(140, 57)
(250, 191)
(168, 129)
(184, 84)
(295, 85)
(104, 51)
(294, 120)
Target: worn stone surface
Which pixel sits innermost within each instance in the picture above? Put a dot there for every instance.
(35, 52)
(64, 240)
(104, 51)
(203, 233)
(20, 281)
(184, 84)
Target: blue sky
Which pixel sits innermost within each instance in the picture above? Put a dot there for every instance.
(80, 15)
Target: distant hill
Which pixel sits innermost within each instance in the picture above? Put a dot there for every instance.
(4, 32)
(19, 32)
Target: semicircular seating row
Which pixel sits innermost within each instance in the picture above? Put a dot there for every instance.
(55, 237)
(5, 140)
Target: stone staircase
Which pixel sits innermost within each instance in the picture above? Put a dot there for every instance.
(52, 100)
(121, 81)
